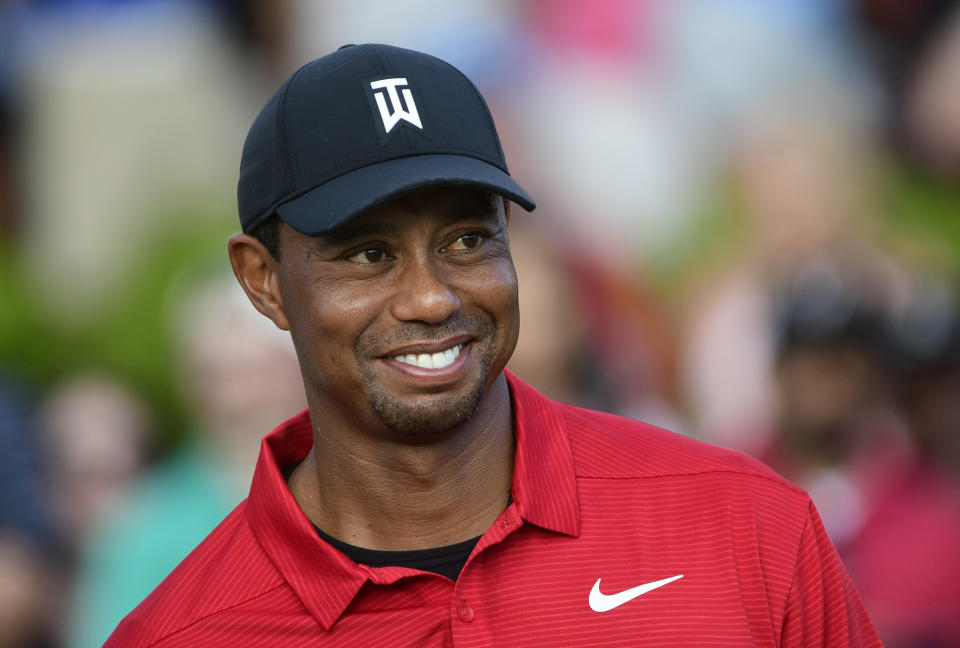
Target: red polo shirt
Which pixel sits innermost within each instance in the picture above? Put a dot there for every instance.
(595, 497)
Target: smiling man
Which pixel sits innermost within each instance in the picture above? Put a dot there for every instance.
(403, 320)
(427, 497)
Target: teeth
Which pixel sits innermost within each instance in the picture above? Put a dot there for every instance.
(450, 355)
(437, 360)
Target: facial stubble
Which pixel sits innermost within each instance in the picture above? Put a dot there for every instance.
(445, 412)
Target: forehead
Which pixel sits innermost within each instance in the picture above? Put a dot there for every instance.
(445, 204)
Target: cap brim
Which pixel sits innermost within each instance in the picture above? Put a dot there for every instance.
(337, 201)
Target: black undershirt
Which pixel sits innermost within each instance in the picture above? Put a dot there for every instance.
(447, 561)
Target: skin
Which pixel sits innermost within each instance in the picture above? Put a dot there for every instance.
(403, 458)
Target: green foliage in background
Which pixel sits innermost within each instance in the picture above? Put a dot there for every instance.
(130, 338)
(924, 214)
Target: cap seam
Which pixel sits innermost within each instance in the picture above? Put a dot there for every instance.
(486, 109)
(348, 169)
(281, 116)
(375, 50)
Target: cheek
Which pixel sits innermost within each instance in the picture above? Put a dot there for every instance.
(326, 324)
(498, 296)
(511, 312)
(334, 322)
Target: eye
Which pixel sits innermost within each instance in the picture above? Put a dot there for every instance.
(370, 255)
(467, 241)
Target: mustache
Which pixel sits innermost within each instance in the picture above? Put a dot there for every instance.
(376, 344)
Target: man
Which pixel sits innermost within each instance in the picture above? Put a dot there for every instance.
(427, 497)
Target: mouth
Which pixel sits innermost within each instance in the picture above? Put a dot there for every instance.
(437, 360)
(432, 362)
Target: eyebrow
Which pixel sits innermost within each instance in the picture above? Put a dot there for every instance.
(383, 226)
(353, 230)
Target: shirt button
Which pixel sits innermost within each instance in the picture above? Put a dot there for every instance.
(466, 613)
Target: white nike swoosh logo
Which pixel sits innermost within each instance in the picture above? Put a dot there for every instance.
(600, 602)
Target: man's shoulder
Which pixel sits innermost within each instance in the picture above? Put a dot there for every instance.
(607, 446)
(226, 570)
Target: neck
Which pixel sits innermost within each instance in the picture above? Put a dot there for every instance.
(394, 496)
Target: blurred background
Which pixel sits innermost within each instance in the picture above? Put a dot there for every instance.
(748, 231)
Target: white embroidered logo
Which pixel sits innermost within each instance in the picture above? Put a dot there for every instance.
(395, 112)
(600, 602)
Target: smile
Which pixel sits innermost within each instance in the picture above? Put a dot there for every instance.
(439, 360)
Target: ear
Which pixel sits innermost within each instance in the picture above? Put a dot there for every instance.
(257, 271)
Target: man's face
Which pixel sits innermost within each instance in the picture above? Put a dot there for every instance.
(403, 318)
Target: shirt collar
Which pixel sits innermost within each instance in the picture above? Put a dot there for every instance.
(288, 537)
(544, 485)
(544, 491)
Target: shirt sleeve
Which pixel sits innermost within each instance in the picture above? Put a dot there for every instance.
(823, 607)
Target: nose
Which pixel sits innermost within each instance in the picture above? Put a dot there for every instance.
(424, 293)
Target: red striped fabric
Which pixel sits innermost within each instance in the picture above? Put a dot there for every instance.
(594, 497)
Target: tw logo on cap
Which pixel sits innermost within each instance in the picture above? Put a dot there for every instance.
(392, 110)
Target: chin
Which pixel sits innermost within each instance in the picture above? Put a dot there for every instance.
(431, 416)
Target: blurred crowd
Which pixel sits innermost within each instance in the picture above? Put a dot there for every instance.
(748, 231)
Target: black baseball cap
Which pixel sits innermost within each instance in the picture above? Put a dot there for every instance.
(361, 125)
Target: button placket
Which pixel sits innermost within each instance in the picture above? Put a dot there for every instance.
(509, 520)
(466, 613)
